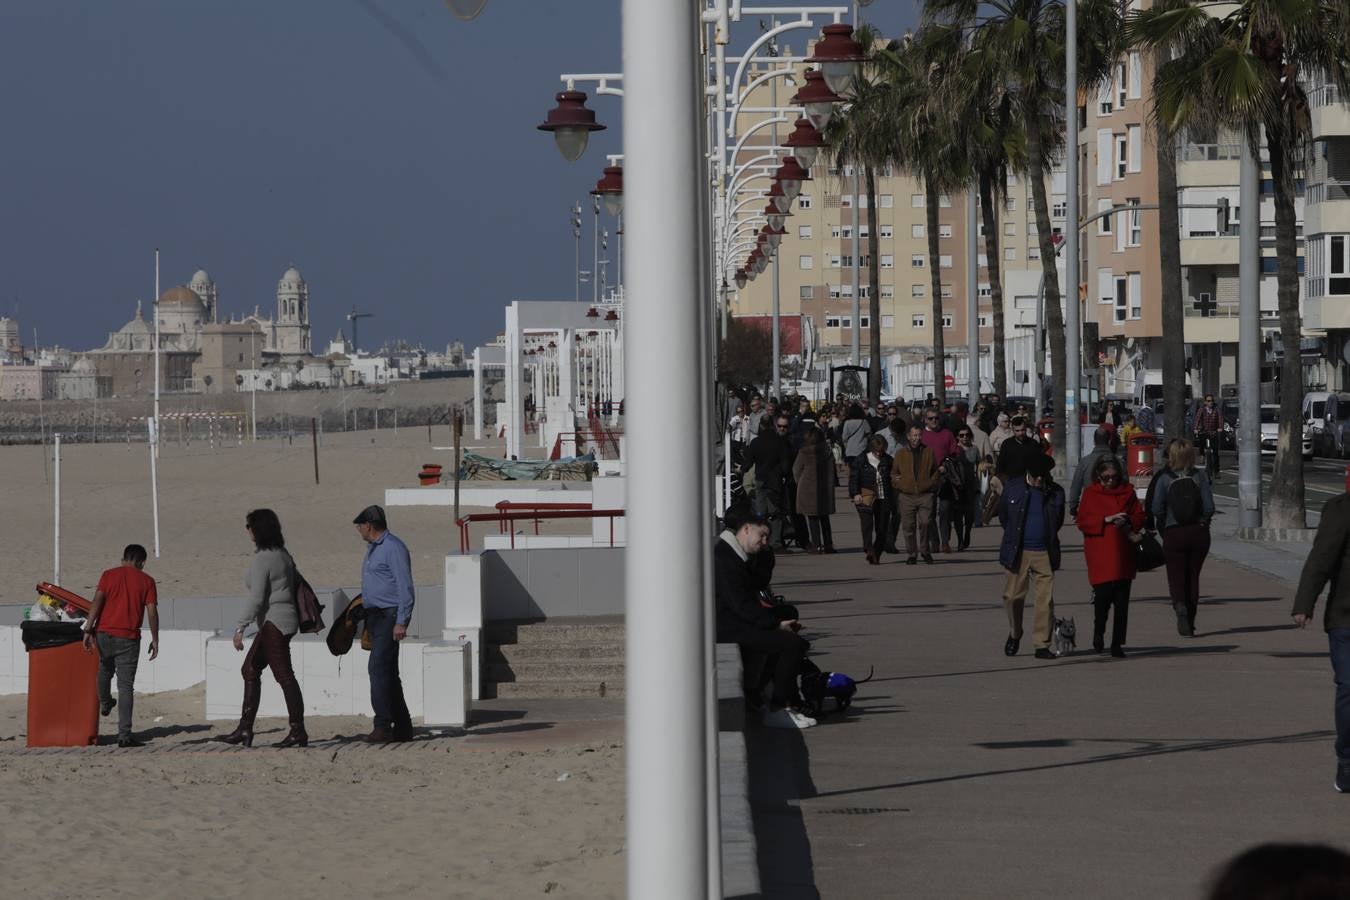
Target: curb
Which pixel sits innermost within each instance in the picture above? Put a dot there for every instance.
(1276, 535)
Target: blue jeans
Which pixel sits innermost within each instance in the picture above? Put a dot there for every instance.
(386, 688)
(1340, 664)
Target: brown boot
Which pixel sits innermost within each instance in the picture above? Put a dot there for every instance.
(295, 738)
(243, 732)
(380, 735)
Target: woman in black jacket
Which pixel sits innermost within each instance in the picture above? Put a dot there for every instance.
(869, 484)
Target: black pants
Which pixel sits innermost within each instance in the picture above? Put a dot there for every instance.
(963, 517)
(875, 522)
(785, 650)
(386, 687)
(1104, 597)
(1185, 548)
(821, 536)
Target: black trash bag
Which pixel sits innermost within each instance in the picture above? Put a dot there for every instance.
(46, 635)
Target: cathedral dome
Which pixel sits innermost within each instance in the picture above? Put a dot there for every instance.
(181, 296)
(83, 366)
(200, 277)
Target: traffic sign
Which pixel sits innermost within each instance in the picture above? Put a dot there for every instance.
(949, 381)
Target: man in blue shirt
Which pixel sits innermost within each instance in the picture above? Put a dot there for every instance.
(387, 595)
(1032, 511)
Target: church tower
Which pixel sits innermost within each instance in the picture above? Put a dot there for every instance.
(206, 289)
(292, 319)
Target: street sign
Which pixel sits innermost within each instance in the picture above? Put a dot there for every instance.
(949, 381)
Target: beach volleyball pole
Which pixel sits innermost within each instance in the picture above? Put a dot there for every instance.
(56, 507)
(153, 426)
(154, 434)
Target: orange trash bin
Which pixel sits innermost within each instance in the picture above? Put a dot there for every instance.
(62, 690)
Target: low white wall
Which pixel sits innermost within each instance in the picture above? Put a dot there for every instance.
(181, 662)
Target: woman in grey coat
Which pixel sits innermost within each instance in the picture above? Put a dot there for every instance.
(271, 606)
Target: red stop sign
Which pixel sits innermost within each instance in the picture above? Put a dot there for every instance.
(949, 381)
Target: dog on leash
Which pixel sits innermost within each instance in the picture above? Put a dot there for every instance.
(817, 687)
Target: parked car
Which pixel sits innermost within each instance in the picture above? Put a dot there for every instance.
(1270, 432)
(1333, 437)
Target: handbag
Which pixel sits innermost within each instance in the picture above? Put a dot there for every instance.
(307, 603)
(1148, 552)
(869, 497)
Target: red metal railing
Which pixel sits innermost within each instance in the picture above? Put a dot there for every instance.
(522, 506)
(465, 521)
(605, 441)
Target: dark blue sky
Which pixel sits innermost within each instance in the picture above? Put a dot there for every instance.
(386, 149)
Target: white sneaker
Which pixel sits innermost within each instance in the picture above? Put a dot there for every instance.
(787, 718)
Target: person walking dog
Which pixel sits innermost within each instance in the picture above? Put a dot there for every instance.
(1032, 511)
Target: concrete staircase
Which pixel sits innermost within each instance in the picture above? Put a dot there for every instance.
(560, 657)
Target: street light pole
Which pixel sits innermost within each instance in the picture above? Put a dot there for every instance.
(1073, 354)
(667, 560)
(1249, 340)
(972, 300)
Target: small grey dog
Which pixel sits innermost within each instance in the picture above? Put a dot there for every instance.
(1062, 637)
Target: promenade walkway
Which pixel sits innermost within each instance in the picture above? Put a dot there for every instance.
(962, 773)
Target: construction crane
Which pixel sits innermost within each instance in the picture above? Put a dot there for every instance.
(355, 317)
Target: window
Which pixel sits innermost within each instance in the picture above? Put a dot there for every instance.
(887, 261)
(1122, 82)
(887, 293)
(1033, 252)
(946, 320)
(803, 201)
(917, 290)
(1031, 230)
(864, 232)
(944, 201)
(887, 231)
(1136, 295)
(1104, 144)
(983, 320)
(1121, 297)
(834, 262)
(846, 232)
(835, 231)
(830, 322)
(846, 260)
(982, 261)
(1134, 80)
(888, 321)
(862, 295)
(862, 201)
(1010, 254)
(1106, 286)
(845, 321)
(1104, 223)
(946, 292)
(885, 201)
(1338, 264)
(805, 261)
(1136, 227)
(945, 261)
(944, 231)
(1010, 204)
(1134, 139)
(1058, 207)
(1010, 228)
(807, 292)
(986, 290)
(916, 231)
(916, 261)
(1122, 156)
(846, 201)
(864, 321)
(1105, 105)
(916, 201)
(916, 320)
(804, 232)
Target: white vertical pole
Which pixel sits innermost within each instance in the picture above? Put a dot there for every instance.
(1073, 354)
(477, 393)
(666, 798)
(1249, 340)
(973, 297)
(154, 445)
(56, 506)
(153, 426)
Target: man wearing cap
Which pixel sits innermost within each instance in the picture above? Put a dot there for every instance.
(387, 593)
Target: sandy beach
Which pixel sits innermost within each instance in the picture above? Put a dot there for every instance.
(476, 815)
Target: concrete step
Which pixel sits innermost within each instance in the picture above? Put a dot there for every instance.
(554, 651)
(545, 689)
(599, 628)
(594, 671)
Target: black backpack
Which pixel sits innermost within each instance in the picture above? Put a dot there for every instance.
(1184, 501)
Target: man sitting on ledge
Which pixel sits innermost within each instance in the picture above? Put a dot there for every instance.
(744, 620)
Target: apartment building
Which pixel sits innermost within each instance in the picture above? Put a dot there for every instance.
(1326, 305)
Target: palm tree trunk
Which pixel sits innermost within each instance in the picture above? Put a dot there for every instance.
(873, 290)
(935, 277)
(991, 241)
(1054, 316)
(1173, 313)
(1286, 482)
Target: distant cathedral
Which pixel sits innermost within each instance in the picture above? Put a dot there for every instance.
(184, 311)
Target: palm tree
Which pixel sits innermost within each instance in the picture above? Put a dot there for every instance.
(862, 136)
(1023, 41)
(1241, 71)
(930, 146)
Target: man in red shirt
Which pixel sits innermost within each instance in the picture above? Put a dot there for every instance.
(124, 592)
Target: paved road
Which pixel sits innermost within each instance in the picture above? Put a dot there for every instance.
(1323, 479)
(961, 773)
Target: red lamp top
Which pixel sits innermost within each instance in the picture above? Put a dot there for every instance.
(814, 91)
(791, 170)
(804, 134)
(611, 182)
(836, 46)
(571, 112)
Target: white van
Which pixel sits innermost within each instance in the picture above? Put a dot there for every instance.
(1333, 438)
(1314, 416)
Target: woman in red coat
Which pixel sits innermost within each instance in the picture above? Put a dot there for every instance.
(1108, 515)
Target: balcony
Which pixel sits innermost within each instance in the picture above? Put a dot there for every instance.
(1216, 325)
(1209, 251)
(1330, 114)
(1320, 312)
